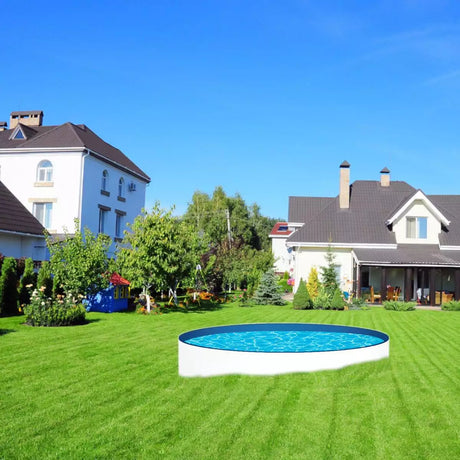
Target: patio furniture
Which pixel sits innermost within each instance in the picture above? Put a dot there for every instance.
(375, 297)
(390, 293)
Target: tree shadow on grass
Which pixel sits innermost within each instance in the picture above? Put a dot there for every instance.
(6, 331)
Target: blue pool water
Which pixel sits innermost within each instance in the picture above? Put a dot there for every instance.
(284, 341)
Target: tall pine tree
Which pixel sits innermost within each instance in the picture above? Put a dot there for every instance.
(268, 292)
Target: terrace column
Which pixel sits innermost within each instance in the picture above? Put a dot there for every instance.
(432, 282)
(408, 284)
(383, 283)
(358, 281)
(457, 284)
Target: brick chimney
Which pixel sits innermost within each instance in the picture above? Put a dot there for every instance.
(344, 193)
(385, 177)
(3, 126)
(28, 117)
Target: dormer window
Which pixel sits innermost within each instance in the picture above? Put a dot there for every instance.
(417, 227)
(45, 171)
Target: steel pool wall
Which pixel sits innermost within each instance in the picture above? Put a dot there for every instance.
(198, 361)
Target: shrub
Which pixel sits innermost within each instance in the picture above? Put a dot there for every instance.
(8, 288)
(27, 282)
(268, 292)
(399, 306)
(313, 284)
(337, 302)
(302, 300)
(357, 304)
(453, 305)
(46, 311)
(322, 301)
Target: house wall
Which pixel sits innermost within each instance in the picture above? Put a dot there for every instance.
(307, 258)
(417, 209)
(19, 174)
(283, 259)
(17, 246)
(93, 196)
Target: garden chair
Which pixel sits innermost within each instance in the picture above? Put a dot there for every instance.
(375, 297)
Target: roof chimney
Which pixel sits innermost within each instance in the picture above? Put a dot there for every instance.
(3, 126)
(344, 193)
(385, 177)
(28, 117)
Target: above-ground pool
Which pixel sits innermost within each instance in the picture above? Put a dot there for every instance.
(277, 348)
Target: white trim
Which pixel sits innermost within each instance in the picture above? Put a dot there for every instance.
(296, 224)
(280, 236)
(11, 232)
(15, 132)
(419, 195)
(449, 248)
(419, 265)
(15, 150)
(343, 245)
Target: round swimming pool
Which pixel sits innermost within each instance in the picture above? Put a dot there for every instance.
(277, 348)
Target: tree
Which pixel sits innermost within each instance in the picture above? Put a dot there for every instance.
(27, 282)
(337, 302)
(302, 300)
(329, 273)
(158, 252)
(268, 292)
(79, 263)
(44, 279)
(313, 283)
(8, 288)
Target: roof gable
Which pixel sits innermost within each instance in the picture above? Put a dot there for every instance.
(418, 195)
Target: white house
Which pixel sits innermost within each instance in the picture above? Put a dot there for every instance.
(21, 235)
(387, 238)
(66, 172)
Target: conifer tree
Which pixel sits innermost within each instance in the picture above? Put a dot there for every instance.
(337, 302)
(268, 292)
(313, 284)
(302, 300)
(8, 288)
(28, 278)
(329, 273)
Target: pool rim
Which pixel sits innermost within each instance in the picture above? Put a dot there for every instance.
(285, 326)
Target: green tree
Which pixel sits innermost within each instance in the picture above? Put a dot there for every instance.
(44, 279)
(313, 283)
(337, 302)
(302, 300)
(329, 273)
(80, 263)
(158, 252)
(27, 282)
(8, 288)
(268, 292)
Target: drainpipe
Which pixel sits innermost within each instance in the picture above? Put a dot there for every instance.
(80, 199)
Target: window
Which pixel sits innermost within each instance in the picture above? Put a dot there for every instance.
(417, 227)
(102, 220)
(105, 179)
(119, 226)
(43, 212)
(45, 171)
(121, 187)
(19, 135)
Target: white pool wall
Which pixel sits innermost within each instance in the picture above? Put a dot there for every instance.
(195, 361)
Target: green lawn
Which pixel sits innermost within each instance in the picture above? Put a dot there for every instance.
(110, 389)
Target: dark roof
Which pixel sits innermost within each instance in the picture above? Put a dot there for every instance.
(14, 217)
(362, 222)
(70, 135)
(277, 229)
(27, 112)
(304, 208)
(449, 205)
(408, 254)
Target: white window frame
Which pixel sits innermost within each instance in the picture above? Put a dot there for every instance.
(43, 212)
(121, 187)
(45, 171)
(103, 213)
(105, 180)
(413, 227)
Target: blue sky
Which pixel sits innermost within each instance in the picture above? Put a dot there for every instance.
(265, 98)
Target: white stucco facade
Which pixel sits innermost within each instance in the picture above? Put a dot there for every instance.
(20, 245)
(282, 254)
(307, 258)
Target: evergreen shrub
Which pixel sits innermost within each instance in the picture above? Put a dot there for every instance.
(337, 302)
(322, 300)
(268, 292)
(302, 300)
(8, 288)
(44, 279)
(27, 282)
